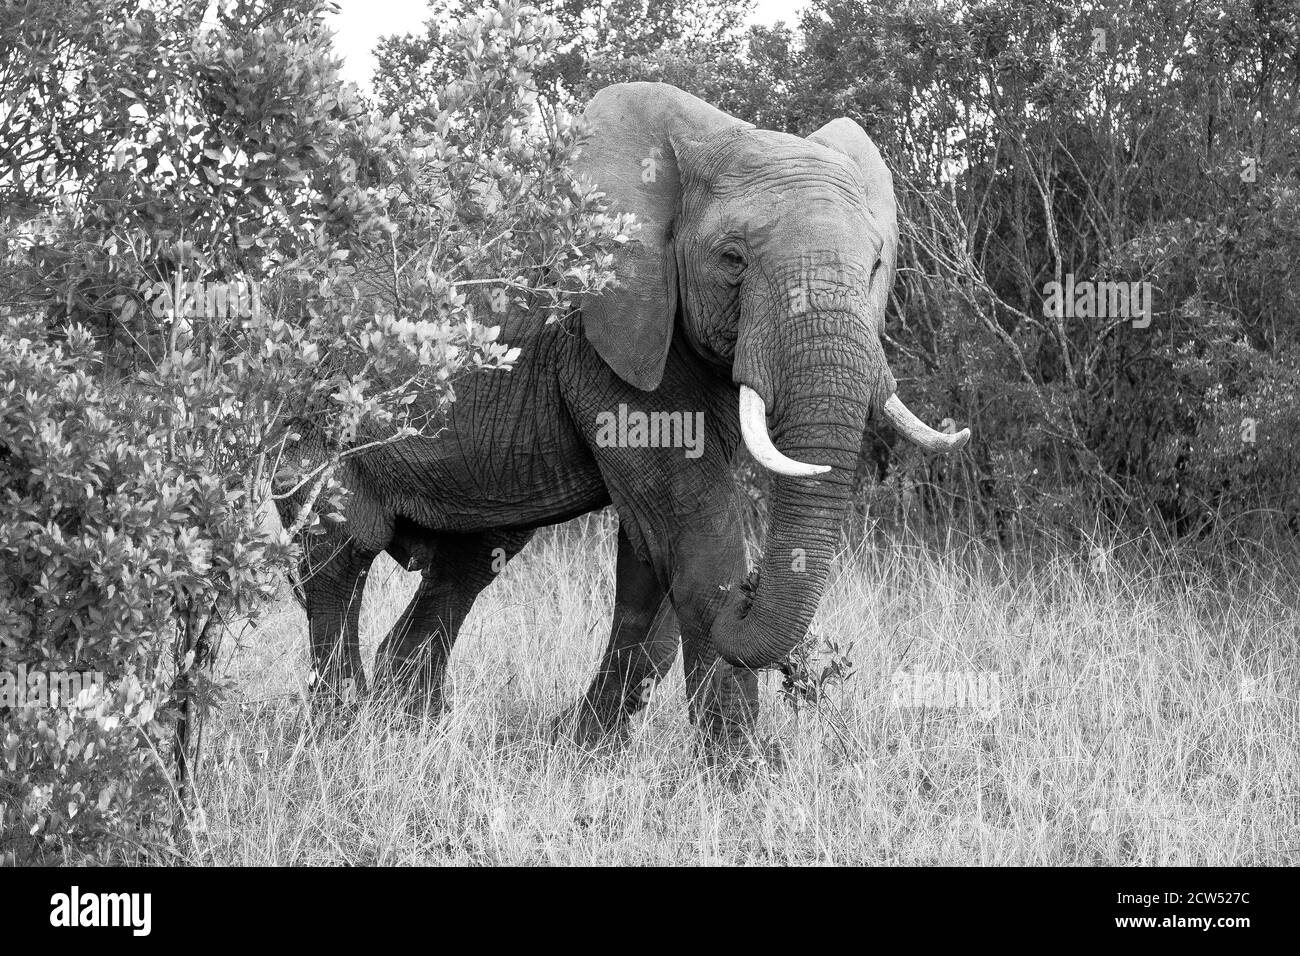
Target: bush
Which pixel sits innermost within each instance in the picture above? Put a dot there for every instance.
(193, 332)
(107, 534)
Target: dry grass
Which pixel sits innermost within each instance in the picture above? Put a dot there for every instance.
(1147, 716)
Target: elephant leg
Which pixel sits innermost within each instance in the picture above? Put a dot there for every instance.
(641, 649)
(412, 659)
(723, 699)
(332, 578)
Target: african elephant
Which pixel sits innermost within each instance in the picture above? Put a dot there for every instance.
(749, 308)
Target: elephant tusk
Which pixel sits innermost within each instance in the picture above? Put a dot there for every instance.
(753, 426)
(918, 432)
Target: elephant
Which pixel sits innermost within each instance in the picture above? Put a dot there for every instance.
(747, 310)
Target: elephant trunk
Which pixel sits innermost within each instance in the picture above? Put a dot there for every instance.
(823, 416)
(820, 413)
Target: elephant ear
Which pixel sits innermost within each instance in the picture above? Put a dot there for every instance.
(847, 137)
(640, 133)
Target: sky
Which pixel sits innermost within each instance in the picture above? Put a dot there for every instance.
(361, 23)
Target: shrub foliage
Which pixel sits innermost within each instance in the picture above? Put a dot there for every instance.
(192, 214)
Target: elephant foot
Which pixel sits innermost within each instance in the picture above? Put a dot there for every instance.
(739, 760)
(335, 701)
(419, 708)
(412, 685)
(415, 702)
(726, 736)
(592, 727)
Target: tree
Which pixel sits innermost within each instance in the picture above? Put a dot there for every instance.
(195, 222)
(1046, 140)
(597, 42)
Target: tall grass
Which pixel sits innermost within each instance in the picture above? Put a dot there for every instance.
(1147, 715)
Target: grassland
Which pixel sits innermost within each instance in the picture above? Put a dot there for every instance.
(1148, 715)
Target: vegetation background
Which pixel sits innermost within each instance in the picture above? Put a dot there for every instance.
(1156, 142)
(1118, 543)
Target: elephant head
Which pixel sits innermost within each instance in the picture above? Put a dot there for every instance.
(774, 256)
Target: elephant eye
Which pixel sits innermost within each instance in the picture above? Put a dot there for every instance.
(733, 260)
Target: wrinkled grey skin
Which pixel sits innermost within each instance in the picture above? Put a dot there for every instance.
(765, 260)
